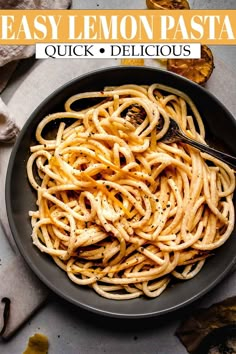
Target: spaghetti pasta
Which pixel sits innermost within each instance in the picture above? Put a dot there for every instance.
(117, 209)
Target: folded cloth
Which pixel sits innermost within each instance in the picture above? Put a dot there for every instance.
(11, 54)
(16, 306)
(8, 129)
(35, 4)
(193, 330)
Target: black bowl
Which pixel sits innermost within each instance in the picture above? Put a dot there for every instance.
(221, 128)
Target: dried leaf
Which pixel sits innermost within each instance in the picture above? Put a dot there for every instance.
(193, 330)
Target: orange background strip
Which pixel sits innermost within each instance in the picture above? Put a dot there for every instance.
(116, 26)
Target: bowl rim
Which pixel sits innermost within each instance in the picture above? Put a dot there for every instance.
(12, 222)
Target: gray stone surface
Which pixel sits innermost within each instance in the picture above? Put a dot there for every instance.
(70, 329)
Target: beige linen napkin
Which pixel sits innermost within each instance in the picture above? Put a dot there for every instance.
(10, 56)
(8, 129)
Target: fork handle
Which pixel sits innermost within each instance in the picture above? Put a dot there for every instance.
(230, 160)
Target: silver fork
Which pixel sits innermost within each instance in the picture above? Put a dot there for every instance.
(136, 115)
(175, 134)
